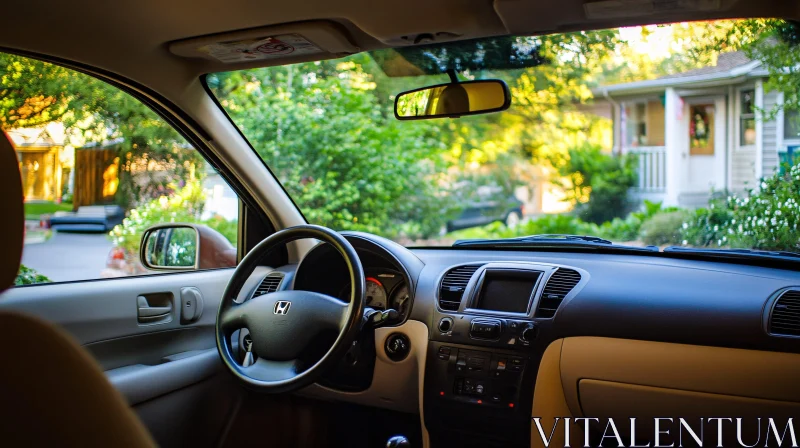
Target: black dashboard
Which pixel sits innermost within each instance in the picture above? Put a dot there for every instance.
(491, 314)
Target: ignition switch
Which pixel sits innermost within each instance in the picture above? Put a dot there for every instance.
(397, 346)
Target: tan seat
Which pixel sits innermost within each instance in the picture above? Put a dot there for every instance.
(52, 393)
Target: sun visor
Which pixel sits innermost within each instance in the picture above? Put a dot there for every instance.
(537, 17)
(274, 45)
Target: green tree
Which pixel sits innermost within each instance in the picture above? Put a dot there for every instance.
(34, 92)
(343, 160)
(598, 182)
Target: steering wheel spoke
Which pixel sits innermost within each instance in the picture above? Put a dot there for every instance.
(233, 318)
(267, 370)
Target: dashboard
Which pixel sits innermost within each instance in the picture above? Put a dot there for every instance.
(477, 323)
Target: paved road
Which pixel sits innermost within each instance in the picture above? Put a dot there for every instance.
(69, 256)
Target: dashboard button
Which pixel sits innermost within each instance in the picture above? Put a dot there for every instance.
(485, 330)
(501, 364)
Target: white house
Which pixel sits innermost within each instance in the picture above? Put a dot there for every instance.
(700, 130)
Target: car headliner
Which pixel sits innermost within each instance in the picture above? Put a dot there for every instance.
(131, 38)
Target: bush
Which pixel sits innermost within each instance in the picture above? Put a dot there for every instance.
(663, 228)
(548, 224)
(766, 219)
(627, 229)
(707, 227)
(599, 182)
(28, 276)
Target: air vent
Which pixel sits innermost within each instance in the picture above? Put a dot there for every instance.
(785, 318)
(454, 283)
(270, 284)
(558, 286)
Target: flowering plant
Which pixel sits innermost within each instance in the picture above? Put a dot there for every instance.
(766, 218)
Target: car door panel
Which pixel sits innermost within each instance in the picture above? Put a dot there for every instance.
(160, 368)
(102, 310)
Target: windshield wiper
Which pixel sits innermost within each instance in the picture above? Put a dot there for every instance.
(735, 253)
(553, 241)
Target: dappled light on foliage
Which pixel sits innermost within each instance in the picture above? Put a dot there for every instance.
(326, 130)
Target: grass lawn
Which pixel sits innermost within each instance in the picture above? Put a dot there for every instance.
(35, 209)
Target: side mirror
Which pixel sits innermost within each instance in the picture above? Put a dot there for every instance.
(170, 247)
(453, 100)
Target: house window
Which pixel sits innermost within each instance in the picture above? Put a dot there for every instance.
(791, 125)
(747, 117)
(636, 125)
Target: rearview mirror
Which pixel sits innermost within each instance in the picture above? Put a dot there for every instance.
(453, 100)
(185, 247)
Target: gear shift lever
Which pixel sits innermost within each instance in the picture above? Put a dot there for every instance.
(398, 442)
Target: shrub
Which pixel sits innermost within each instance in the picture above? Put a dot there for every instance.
(185, 205)
(28, 276)
(627, 229)
(766, 219)
(663, 228)
(707, 226)
(548, 224)
(599, 182)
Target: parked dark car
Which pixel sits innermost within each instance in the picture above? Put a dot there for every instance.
(508, 210)
(93, 218)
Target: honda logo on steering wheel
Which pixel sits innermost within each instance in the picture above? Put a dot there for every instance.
(282, 307)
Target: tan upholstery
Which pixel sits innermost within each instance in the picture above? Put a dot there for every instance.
(549, 403)
(52, 393)
(13, 217)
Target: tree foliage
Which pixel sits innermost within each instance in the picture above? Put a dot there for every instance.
(598, 182)
(327, 131)
(34, 92)
(342, 159)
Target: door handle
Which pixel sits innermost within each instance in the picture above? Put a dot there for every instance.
(154, 308)
(154, 311)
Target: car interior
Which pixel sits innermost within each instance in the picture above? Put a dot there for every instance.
(290, 344)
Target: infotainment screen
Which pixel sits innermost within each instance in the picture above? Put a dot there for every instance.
(507, 290)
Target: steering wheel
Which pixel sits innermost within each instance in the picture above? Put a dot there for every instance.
(282, 324)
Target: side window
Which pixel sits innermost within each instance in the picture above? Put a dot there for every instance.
(98, 168)
(747, 117)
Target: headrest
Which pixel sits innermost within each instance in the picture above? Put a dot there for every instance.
(12, 219)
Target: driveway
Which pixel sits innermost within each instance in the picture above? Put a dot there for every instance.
(69, 256)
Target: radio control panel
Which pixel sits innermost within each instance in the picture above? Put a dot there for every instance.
(473, 376)
(503, 333)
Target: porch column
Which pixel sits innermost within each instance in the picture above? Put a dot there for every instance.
(672, 112)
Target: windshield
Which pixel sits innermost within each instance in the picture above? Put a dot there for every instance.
(682, 134)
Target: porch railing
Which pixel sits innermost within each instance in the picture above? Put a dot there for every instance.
(652, 167)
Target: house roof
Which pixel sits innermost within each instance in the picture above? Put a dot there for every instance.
(45, 136)
(730, 67)
(725, 62)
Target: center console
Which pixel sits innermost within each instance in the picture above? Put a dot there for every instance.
(484, 353)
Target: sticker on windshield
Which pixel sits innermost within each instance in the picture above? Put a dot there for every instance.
(260, 49)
